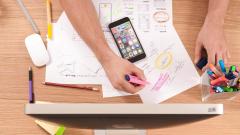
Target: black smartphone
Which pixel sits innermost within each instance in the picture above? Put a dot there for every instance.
(127, 40)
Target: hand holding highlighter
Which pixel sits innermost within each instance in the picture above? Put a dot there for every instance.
(135, 80)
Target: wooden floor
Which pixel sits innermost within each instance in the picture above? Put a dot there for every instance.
(14, 62)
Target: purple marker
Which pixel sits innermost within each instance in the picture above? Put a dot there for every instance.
(31, 94)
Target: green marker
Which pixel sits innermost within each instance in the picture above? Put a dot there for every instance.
(60, 130)
(235, 89)
(233, 68)
(51, 128)
(228, 89)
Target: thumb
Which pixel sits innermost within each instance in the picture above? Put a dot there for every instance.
(198, 49)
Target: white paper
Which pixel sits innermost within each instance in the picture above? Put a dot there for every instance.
(167, 61)
(169, 69)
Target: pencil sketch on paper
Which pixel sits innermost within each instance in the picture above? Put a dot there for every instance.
(66, 68)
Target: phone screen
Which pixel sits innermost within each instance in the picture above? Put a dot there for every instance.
(127, 41)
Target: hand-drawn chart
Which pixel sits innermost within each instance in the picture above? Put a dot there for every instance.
(164, 60)
(75, 68)
(161, 65)
(66, 69)
(161, 16)
(144, 16)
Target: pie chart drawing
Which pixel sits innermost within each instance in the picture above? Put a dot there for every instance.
(163, 60)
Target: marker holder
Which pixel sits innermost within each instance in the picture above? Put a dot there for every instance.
(209, 96)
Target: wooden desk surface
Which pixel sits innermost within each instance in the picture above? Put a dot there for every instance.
(14, 62)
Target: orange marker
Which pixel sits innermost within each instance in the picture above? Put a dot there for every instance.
(214, 69)
(218, 80)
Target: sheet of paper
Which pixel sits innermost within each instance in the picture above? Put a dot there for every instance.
(73, 62)
(68, 63)
(168, 68)
(146, 15)
(78, 56)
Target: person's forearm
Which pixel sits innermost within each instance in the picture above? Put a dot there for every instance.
(217, 10)
(84, 18)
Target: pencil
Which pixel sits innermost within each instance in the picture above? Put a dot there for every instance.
(71, 86)
(49, 19)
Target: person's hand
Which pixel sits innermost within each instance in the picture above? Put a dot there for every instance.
(116, 68)
(212, 39)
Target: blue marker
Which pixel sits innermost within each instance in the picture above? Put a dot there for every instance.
(210, 73)
(202, 62)
(222, 66)
(218, 89)
(230, 76)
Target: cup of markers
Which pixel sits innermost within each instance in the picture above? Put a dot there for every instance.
(224, 80)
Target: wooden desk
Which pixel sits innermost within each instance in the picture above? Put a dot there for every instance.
(14, 62)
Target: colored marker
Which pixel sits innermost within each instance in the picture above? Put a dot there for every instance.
(31, 93)
(236, 74)
(232, 69)
(218, 89)
(231, 75)
(202, 62)
(71, 86)
(235, 89)
(219, 80)
(212, 91)
(233, 82)
(49, 19)
(228, 89)
(135, 80)
(214, 69)
(51, 128)
(211, 74)
(222, 66)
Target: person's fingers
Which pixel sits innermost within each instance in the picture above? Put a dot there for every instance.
(128, 87)
(198, 49)
(225, 57)
(118, 86)
(138, 72)
(211, 59)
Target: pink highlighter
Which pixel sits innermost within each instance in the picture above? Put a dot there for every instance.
(135, 80)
